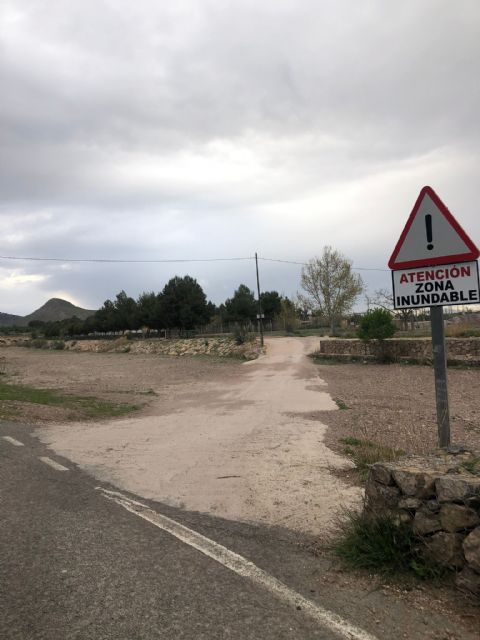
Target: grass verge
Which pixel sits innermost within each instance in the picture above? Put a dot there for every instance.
(80, 406)
(364, 453)
(383, 546)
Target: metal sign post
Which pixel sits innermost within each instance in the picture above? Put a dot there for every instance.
(440, 370)
(434, 264)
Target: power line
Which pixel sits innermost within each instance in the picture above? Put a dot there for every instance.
(305, 263)
(115, 261)
(285, 261)
(165, 261)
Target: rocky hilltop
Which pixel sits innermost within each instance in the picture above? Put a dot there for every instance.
(54, 309)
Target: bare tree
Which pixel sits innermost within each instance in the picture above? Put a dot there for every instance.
(330, 285)
(383, 298)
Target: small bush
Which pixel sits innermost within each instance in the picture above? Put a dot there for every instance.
(58, 345)
(380, 544)
(376, 324)
(240, 336)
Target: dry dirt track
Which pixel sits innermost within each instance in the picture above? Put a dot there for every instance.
(245, 448)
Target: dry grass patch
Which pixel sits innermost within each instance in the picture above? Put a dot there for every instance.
(365, 453)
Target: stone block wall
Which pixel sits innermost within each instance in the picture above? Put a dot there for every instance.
(224, 347)
(420, 349)
(439, 497)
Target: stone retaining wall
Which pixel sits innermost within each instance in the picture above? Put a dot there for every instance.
(464, 350)
(439, 496)
(220, 347)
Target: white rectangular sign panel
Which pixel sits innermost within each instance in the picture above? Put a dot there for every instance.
(442, 285)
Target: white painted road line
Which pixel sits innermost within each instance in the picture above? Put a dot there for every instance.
(11, 440)
(240, 565)
(55, 465)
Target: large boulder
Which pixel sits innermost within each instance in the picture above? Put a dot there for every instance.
(426, 522)
(415, 482)
(455, 489)
(382, 473)
(445, 549)
(456, 517)
(379, 496)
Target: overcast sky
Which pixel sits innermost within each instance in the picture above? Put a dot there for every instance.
(213, 129)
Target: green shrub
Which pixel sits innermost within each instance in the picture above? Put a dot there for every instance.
(240, 336)
(376, 324)
(58, 345)
(382, 545)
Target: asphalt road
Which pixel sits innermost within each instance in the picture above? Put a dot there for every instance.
(77, 565)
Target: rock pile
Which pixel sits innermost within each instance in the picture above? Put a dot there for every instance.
(439, 496)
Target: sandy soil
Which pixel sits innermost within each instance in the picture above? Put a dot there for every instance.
(394, 405)
(241, 445)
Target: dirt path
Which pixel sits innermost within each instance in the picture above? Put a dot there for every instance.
(244, 448)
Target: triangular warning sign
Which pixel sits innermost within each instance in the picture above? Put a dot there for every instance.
(431, 236)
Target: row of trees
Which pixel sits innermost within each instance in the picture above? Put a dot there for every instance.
(182, 304)
(330, 290)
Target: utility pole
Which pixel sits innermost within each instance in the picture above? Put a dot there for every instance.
(260, 313)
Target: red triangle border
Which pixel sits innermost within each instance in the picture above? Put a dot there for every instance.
(425, 262)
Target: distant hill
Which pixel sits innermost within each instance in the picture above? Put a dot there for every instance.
(54, 309)
(9, 320)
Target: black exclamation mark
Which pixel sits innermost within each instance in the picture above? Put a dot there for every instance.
(428, 227)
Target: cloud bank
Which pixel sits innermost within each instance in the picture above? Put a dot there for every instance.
(212, 129)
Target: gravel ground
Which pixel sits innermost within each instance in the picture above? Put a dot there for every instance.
(394, 405)
(151, 382)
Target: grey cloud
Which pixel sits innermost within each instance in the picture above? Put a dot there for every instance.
(212, 128)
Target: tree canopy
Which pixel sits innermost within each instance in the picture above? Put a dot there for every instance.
(242, 306)
(271, 304)
(184, 304)
(330, 285)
